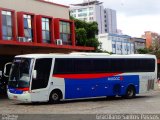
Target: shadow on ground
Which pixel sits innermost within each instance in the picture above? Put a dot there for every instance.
(84, 100)
(3, 96)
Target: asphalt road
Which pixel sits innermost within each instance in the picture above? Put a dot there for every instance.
(148, 103)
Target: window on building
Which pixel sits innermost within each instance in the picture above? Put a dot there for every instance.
(91, 18)
(85, 19)
(80, 18)
(125, 48)
(120, 47)
(113, 45)
(73, 11)
(128, 47)
(28, 28)
(82, 10)
(110, 37)
(74, 15)
(90, 8)
(79, 10)
(7, 25)
(91, 13)
(65, 32)
(45, 30)
(82, 15)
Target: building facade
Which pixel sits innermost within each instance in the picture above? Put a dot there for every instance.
(93, 10)
(152, 38)
(34, 26)
(38, 26)
(139, 43)
(110, 21)
(117, 44)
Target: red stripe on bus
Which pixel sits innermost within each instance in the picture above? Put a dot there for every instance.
(85, 76)
(23, 89)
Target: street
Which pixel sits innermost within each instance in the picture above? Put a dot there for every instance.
(142, 104)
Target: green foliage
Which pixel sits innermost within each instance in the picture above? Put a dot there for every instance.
(144, 51)
(103, 51)
(72, 18)
(92, 42)
(157, 53)
(154, 49)
(92, 29)
(86, 33)
(80, 24)
(81, 36)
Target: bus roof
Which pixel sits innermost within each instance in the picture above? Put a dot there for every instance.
(86, 55)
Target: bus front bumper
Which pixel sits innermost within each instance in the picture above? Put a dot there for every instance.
(25, 97)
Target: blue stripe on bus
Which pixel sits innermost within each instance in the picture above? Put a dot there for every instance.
(15, 91)
(106, 86)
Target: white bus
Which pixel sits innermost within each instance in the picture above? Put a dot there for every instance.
(57, 77)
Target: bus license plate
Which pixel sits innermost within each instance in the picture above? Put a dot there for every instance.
(14, 97)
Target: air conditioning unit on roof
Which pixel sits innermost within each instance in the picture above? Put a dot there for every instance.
(59, 42)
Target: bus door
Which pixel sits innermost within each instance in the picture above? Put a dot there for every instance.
(40, 81)
(4, 76)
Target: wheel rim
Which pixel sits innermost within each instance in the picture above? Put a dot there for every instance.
(130, 93)
(55, 96)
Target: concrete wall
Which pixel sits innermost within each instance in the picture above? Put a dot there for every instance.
(37, 7)
(106, 43)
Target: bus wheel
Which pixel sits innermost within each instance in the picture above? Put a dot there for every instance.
(130, 92)
(55, 96)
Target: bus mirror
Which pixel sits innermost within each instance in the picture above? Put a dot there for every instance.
(7, 68)
(34, 74)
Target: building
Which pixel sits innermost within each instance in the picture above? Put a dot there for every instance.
(34, 26)
(110, 20)
(117, 44)
(93, 10)
(119, 31)
(153, 41)
(89, 11)
(139, 43)
(152, 38)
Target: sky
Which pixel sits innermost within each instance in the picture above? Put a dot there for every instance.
(133, 16)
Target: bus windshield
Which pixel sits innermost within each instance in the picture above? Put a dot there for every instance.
(20, 73)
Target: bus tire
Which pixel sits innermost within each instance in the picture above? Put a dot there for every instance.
(55, 96)
(130, 92)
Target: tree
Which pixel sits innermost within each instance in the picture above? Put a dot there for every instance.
(92, 29)
(86, 33)
(153, 49)
(144, 51)
(93, 42)
(81, 36)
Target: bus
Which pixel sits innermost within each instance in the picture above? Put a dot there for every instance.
(58, 77)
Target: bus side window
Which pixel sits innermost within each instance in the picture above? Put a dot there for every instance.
(43, 67)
